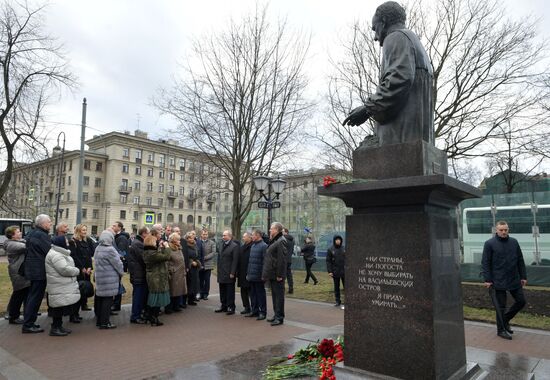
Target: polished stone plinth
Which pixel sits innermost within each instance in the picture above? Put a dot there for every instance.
(403, 313)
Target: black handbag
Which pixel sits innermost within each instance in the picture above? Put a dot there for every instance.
(86, 288)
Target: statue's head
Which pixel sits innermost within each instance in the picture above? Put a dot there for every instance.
(388, 14)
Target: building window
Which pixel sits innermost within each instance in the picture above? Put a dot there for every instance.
(123, 198)
(136, 200)
(161, 173)
(137, 185)
(125, 168)
(161, 188)
(122, 214)
(172, 176)
(98, 182)
(226, 196)
(180, 204)
(99, 166)
(69, 181)
(192, 178)
(68, 196)
(94, 230)
(199, 219)
(180, 218)
(171, 203)
(172, 161)
(84, 213)
(200, 206)
(84, 197)
(126, 153)
(86, 181)
(151, 157)
(149, 201)
(95, 213)
(136, 215)
(138, 170)
(182, 177)
(161, 160)
(138, 154)
(226, 208)
(149, 172)
(70, 165)
(87, 164)
(182, 164)
(97, 197)
(182, 191)
(171, 189)
(160, 202)
(159, 217)
(149, 186)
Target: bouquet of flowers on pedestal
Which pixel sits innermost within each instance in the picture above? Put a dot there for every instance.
(314, 360)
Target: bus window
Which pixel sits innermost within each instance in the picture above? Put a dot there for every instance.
(543, 220)
(520, 221)
(479, 221)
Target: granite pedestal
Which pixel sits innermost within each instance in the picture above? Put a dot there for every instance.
(403, 313)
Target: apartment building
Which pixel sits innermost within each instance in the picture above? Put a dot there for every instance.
(126, 177)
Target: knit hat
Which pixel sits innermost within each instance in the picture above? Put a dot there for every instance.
(60, 241)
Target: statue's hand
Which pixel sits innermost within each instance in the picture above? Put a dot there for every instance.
(357, 116)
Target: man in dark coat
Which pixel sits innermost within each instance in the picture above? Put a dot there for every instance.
(402, 105)
(503, 269)
(38, 246)
(242, 282)
(254, 276)
(290, 251)
(138, 276)
(122, 244)
(274, 271)
(228, 261)
(335, 265)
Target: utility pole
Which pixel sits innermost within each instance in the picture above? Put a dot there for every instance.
(81, 165)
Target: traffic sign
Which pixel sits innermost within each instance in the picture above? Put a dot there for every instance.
(275, 204)
(149, 218)
(263, 204)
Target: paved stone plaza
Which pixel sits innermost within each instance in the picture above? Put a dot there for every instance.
(199, 343)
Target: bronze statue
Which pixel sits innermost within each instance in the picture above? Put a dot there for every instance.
(402, 106)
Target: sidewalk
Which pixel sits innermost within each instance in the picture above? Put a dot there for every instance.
(200, 337)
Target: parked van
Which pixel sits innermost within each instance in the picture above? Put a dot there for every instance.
(25, 225)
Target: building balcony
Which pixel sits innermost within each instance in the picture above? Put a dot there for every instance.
(211, 199)
(125, 189)
(172, 194)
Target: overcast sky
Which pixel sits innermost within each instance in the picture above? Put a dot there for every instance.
(123, 50)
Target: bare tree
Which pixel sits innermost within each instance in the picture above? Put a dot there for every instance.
(487, 71)
(32, 67)
(240, 100)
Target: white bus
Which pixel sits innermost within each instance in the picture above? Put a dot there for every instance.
(25, 225)
(529, 224)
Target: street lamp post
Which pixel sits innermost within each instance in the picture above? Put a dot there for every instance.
(59, 175)
(274, 187)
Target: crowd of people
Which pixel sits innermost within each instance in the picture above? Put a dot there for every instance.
(168, 272)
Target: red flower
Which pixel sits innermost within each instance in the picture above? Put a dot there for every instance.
(326, 348)
(328, 180)
(290, 356)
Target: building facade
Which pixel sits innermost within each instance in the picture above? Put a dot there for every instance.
(128, 178)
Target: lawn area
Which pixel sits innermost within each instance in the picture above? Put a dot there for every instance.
(322, 292)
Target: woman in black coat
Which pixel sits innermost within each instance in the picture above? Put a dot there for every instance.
(193, 283)
(82, 249)
(335, 265)
(308, 251)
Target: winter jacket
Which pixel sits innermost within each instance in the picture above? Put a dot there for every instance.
(336, 258)
(38, 246)
(16, 251)
(256, 261)
(82, 252)
(193, 281)
(502, 263)
(228, 261)
(209, 251)
(177, 272)
(157, 268)
(108, 267)
(275, 259)
(289, 247)
(308, 251)
(61, 273)
(136, 265)
(122, 242)
(244, 256)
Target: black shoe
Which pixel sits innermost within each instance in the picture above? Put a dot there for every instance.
(316, 282)
(58, 332)
(16, 321)
(220, 310)
(108, 326)
(138, 321)
(178, 309)
(504, 335)
(68, 331)
(230, 311)
(155, 322)
(250, 315)
(192, 303)
(306, 282)
(261, 317)
(337, 304)
(290, 291)
(35, 325)
(113, 313)
(271, 319)
(74, 320)
(168, 311)
(86, 308)
(245, 311)
(115, 308)
(204, 298)
(277, 322)
(31, 330)
(508, 328)
(183, 306)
